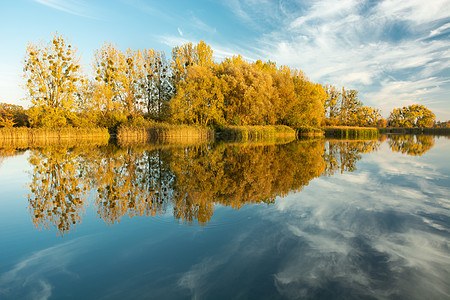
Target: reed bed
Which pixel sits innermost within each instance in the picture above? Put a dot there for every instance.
(344, 132)
(255, 133)
(437, 131)
(427, 130)
(166, 133)
(24, 137)
(306, 131)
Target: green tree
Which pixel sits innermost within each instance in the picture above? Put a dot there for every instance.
(53, 77)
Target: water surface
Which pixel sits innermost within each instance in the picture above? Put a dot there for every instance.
(314, 219)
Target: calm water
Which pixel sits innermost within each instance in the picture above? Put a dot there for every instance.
(302, 220)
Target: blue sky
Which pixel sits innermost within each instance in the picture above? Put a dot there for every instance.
(395, 53)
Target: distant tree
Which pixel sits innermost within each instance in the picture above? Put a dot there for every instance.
(12, 115)
(53, 77)
(412, 116)
(382, 123)
(367, 116)
(441, 124)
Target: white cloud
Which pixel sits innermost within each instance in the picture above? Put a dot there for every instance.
(219, 51)
(74, 7)
(179, 31)
(361, 44)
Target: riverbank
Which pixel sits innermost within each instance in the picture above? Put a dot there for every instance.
(165, 133)
(254, 133)
(348, 132)
(428, 131)
(186, 134)
(26, 137)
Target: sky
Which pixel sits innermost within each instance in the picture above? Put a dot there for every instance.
(394, 52)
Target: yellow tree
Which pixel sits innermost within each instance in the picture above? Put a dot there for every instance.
(199, 98)
(188, 55)
(53, 76)
(248, 100)
(155, 85)
(6, 117)
(349, 107)
(332, 104)
(307, 109)
(412, 116)
(368, 116)
(117, 73)
(284, 96)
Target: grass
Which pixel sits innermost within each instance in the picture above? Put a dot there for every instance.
(427, 130)
(163, 132)
(437, 131)
(346, 132)
(27, 137)
(255, 133)
(306, 131)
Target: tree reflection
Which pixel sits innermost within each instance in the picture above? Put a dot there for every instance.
(133, 182)
(57, 189)
(415, 145)
(8, 152)
(342, 155)
(148, 180)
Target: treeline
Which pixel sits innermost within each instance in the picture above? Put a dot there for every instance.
(140, 87)
(189, 88)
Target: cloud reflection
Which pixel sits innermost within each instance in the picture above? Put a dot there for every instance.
(382, 236)
(30, 277)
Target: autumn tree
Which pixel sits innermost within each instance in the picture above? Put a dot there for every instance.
(53, 77)
(249, 94)
(284, 96)
(368, 116)
(308, 109)
(199, 98)
(411, 116)
(332, 104)
(156, 88)
(188, 55)
(349, 108)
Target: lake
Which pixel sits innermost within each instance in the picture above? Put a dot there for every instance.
(308, 219)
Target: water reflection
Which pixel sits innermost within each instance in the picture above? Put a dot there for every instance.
(57, 190)
(414, 145)
(149, 180)
(367, 227)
